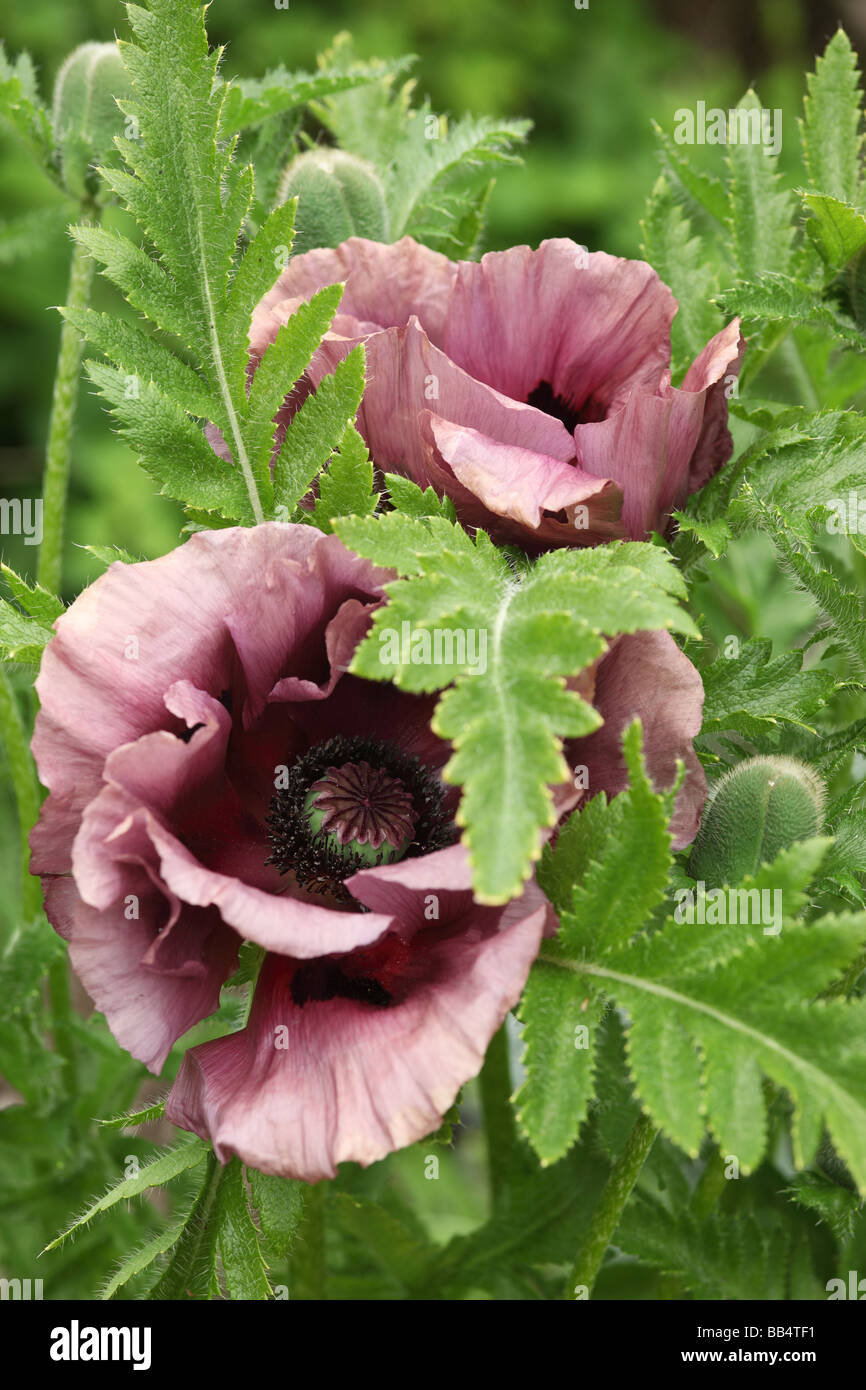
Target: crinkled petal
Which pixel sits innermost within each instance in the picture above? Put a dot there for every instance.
(646, 676)
(594, 327)
(347, 1081)
(660, 447)
(517, 494)
(385, 284)
(150, 992)
(260, 596)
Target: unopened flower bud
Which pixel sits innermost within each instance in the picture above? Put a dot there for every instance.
(759, 808)
(85, 115)
(339, 196)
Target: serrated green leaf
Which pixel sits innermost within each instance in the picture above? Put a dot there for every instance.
(779, 298)
(346, 486)
(837, 229)
(411, 500)
(680, 259)
(250, 101)
(700, 191)
(507, 644)
(25, 1062)
(761, 212)
(143, 359)
(142, 1259)
(282, 365)
(280, 1206)
(832, 125)
(712, 1008)
(21, 108)
(166, 1165)
(714, 535)
(191, 1271)
(36, 601)
(171, 447)
(241, 1253)
(21, 638)
(108, 554)
(134, 1118)
(751, 692)
(721, 1257)
(560, 1021)
(316, 429)
(191, 198)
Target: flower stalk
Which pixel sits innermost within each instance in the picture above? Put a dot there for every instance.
(617, 1191)
(58, 454)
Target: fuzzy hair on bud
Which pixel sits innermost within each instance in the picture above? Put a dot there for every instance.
(759, 808)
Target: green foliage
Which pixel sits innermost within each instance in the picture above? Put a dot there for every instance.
(752, 693)
(671, 248)
(507, 711)
(24, 634)
(22, 109)
(161, 1169)
(185, 188)
(346, 486)
(711, 1005)
(760, 217)
(832, 126)
(436, 174)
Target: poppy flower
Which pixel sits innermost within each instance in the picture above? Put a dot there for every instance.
(217, 776)
(532, 387)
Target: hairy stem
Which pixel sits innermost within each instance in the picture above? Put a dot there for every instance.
(710, 1186)
(499, 1127)
(608, 1213)
(55, 482)
(24, 786)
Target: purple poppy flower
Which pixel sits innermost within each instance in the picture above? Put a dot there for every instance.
(217, 777)
(532, 387)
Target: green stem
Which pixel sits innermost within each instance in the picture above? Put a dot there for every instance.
(58, 454)
(608, 1213)
(309, 1266)
(25, 788)
(499, 1127)
(710, 1186)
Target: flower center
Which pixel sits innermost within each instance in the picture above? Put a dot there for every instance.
(362, 810)
(349, 804)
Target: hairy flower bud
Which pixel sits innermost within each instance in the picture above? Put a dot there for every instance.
(339, 195)
(85, 115)
(759, 808)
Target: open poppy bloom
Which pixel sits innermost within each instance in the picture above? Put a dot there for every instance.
(216, 776)
(531, 387)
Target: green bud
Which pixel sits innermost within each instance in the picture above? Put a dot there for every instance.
(85, 115)
(759, 808)
(338, 195)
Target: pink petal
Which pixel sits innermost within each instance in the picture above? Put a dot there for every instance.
(506, 489)
(259, 594)
(593, 326)
(356, 1081)
(660, 447)
(151, 991)
(646, 676)
(385, 284)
